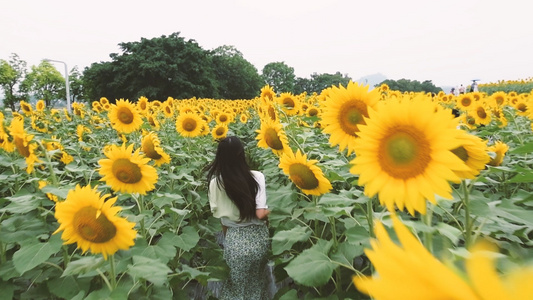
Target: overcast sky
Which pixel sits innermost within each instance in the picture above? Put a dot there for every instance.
(448, 42)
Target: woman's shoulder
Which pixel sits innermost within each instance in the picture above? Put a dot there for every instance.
(257, 173)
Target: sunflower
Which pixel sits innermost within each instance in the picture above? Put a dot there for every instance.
(304, 173)
(40, 106)
(151, 148)
(219, 131)
(498, 98)
(243, 118)
(127, 171)
(91, 221)
(142, 105)
(189, 125)
(125, 117)
(224, 117)
(154, 123)
(26, 108)
(168, 110)
(404, 154)
(464, 101)
(479, 111)
(473, 151)
(104, 101)
(23, 143)
(267, 92)
(271, 135)
(499, 149)
(312, 111)
(81, 130)
(289, 103)
(409, 271)
(344, 110)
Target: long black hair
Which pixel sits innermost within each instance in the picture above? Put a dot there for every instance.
(234, 176)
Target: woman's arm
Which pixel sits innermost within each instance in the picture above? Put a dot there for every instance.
(262, 213)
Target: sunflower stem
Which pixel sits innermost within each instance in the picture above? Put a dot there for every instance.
(370, 216)
(428, 236)
(468, 221)
(66, 258)
(49, 163)
(112, 273)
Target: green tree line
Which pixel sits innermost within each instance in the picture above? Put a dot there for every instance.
(161, 67)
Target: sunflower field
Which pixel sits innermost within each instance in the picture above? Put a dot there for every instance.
(375, 194)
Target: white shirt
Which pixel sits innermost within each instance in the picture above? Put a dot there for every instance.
(222, 207)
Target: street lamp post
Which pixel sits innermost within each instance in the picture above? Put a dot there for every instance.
(66, 80)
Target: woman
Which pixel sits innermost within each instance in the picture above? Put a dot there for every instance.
(237, 196)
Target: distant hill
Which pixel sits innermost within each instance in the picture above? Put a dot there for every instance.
(371, 79)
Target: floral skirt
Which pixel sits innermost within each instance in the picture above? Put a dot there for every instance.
(246, 253)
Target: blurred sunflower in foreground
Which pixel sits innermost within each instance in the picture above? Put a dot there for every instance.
(91, 221)
(409, 271)
(404, 154)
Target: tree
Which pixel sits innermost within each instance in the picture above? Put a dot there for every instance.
(236, 77)
(155, 68)
(11, 75)
(77, 90)
(319, 82)
(279, 76)
(406, 85)
(44, 82)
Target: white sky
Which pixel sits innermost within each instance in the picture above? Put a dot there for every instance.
(449, 42)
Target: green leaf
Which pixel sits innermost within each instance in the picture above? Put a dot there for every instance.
(60, 192)
(449, 231)
(149, 269)
(8, 271)
(346, 253)
(187, 239)
(527, 148)
(30, 256)
(527, 177)
(83, 265)
(358, 235)
(192, 272)
(7, 289)
(283, 240)
(67, 287)
(312, 267)
(21, 204)
(164, 250)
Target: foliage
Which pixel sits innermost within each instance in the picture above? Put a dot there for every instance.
(11, 75)
(236, 77)
(155, 68)
(44, 82)
(279, 76)
(507, 86)
(407, 85)
(319, 82)
(77, 89)
(318, 242)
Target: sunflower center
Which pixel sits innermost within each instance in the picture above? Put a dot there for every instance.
(522, 107)
(303, 177)
(272, 139)
(272, 113)
(223, 118)
(481, 112)
(126, 171)
(189, 124)
(288, 103)
(23, 150)
(313, 112)
(149, 150)
(93, 228)
(404, 152)
(125, 115)
(461, 153)
(220, 131)
(352, 114)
